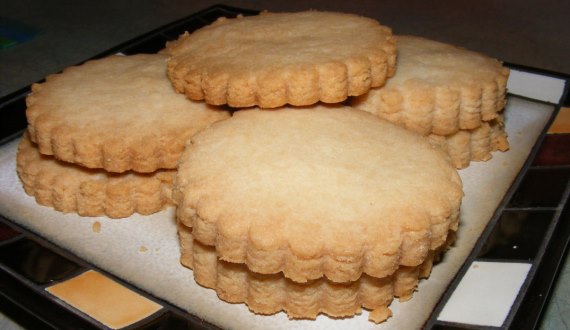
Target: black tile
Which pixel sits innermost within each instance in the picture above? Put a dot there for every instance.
(457, 326)
(20, 316)
(517, 235)
(7, 232)
(541, 187)
(174, 321)
(35, 262)
(555, 150)
(13, 116)
(149, 46)
(533, 305)
(34, 309)
(566, 101)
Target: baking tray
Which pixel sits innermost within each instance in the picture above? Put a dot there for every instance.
(536, 204)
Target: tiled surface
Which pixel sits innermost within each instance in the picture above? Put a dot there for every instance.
(541, 187)
(555, 150)
(532, 229)
(104, 299)
(517, 236)
(485, 294)
(561, 124)
(523, 233)
(36, 263)
(556, 314)
(61, 291)
(524, 83)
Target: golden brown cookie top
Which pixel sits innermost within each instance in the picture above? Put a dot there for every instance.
(277, 58)
(439, 88)
(118, 113)
(316, 191)
(437, 63)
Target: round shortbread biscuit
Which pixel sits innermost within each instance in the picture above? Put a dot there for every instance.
(119, 113)
(317, 191)
(91, 192)
(439, 88)
(272, 293)
(282, 58)
(477, 144)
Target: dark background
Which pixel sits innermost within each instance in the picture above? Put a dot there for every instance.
(530, 33)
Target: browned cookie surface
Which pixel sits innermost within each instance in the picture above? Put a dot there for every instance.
(315, 192)
(439, 88)
(277, 58)
(119, 113)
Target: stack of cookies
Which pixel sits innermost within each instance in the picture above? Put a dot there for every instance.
(313, 210)
(104, 138)
(299, 203)
(296, 202)
(451, 95)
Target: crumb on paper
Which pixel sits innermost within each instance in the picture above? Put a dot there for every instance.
(143, 248)
(380, 314)
(96, 227)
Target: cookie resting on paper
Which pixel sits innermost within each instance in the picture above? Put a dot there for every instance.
(71, 188)
(272, 293)
(439, 88)
(313, 192)
(118, 113)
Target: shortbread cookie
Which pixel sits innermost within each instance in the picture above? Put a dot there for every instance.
(119, 113)
(271, 293)
(474, 145)
(277, 58)
(439, 88)
(317, 191)
(91, 192)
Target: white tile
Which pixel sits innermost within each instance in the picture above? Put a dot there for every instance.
(485, 294)
(536, 86)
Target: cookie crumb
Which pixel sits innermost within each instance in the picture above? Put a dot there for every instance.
(143, 248)
(380, 314)
(96, 227)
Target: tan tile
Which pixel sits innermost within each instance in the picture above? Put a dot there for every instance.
(561, 123)
(104, 299)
